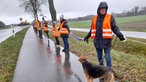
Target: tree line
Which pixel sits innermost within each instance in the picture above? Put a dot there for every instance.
(133, 12)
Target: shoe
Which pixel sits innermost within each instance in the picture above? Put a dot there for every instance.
(66, 50)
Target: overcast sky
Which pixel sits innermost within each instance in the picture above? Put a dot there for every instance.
(11, 12)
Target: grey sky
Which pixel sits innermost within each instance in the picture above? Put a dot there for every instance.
(11, 12)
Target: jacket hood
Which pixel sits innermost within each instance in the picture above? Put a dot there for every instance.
(102, 5)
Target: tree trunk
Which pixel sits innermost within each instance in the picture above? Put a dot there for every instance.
(34, 16)
(37, 16)
(52, 10)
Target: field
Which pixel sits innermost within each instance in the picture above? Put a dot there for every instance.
(9, 51)
(134, 23)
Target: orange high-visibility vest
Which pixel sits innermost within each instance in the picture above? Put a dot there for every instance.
(45, 27)
(63, 30)
(106, 27)
(55, 32)
(38, 25)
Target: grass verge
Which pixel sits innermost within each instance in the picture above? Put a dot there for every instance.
(131, 64)
(9, 50)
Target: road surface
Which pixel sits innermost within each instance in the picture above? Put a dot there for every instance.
(39, 63)
(6, 33)
(126, 33)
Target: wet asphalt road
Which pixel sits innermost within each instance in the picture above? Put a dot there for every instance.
(6, 33)
(39, 63)
(126, 33)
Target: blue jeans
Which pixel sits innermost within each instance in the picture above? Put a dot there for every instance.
(40, 34)
(107, 56)
(65, 40)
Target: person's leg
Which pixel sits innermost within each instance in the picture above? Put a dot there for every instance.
(99, 55)
(48, 38)
(40, 34)
(47, 33)
(57, 41)
(108, 56)
(66, 43)
(35, 30)
(63, 38)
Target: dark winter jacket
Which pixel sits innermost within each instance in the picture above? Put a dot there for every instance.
(65, 25)
(100, 42)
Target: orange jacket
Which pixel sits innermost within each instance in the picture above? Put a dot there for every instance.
(62, 29)
(106, 27)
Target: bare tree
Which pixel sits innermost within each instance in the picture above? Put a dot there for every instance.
(144, 9)
(32, 6)
(136, 9)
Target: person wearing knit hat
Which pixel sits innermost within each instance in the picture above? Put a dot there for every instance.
(64, 31)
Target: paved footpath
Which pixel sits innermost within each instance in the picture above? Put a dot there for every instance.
(39, 63)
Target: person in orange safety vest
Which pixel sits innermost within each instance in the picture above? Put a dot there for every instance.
(38, 25)
(56, 34)
(102, 28)
(45, 27)
(64, 31)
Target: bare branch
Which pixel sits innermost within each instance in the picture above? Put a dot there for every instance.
(32, 6)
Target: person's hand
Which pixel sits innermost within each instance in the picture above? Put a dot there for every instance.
(85, 39)
(123, 38)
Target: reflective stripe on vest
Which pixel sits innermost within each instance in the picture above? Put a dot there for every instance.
(106, 27)
(63, 30)
(93, 31)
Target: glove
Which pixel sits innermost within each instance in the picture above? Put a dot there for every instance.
(123, 38)
(85, 39)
